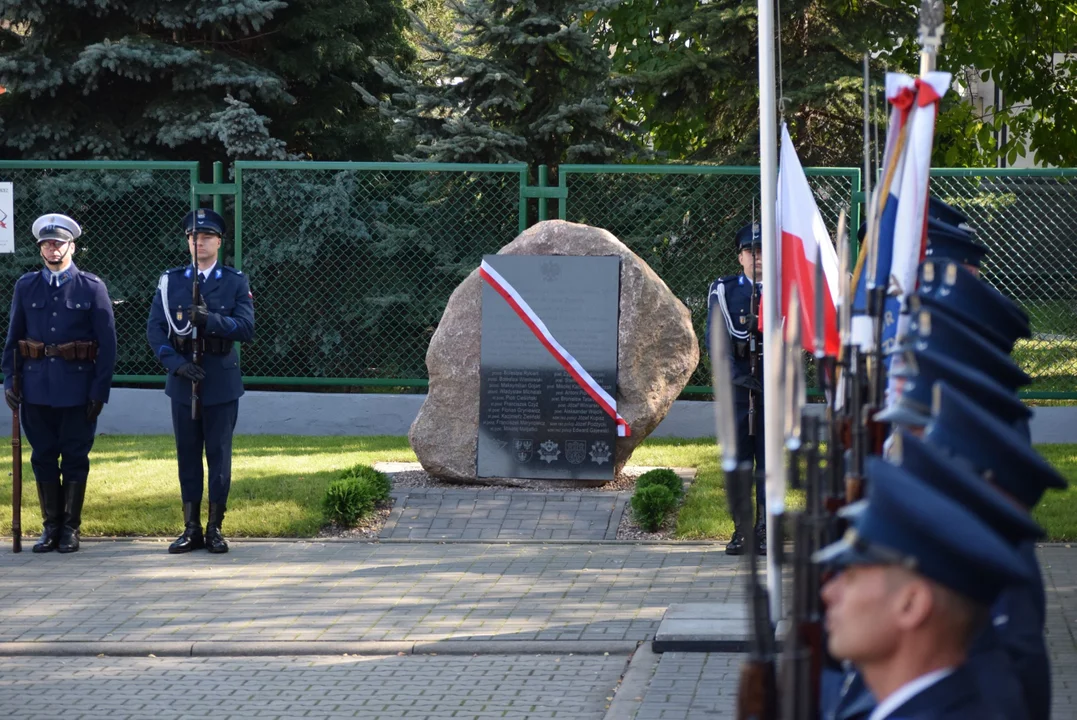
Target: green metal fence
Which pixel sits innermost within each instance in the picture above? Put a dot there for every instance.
(1028, 220)
(130, 213)
(681, 220)
(351, 264)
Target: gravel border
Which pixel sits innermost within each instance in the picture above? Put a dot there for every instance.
(368, 528)
(411, 475)
(405, 476)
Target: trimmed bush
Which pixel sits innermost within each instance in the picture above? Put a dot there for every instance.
(379, 482)
(664, 477)
(347, 500)
(650, 505)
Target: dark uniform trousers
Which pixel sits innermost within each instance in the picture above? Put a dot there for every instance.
(212, 432)
(55, 433)
(750, 446)
(227, 295)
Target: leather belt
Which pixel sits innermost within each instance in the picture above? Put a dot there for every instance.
(213, 346)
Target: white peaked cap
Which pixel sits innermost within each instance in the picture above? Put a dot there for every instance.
(55, 226)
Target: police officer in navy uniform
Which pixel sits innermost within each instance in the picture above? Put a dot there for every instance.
(62, 342)
(917, 572)
(733, 307)
(225, 317)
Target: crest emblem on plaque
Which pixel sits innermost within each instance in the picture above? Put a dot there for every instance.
(548, 451)
(575, 451)
(600, 452)
(523, 449)
(551, 270)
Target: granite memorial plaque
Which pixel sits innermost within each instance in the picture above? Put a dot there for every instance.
(535, 420)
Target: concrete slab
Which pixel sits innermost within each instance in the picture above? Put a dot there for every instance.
(703, 627)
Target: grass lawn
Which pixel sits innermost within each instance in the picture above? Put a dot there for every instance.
(278, 483)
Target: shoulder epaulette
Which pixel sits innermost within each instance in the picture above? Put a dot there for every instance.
(91, 276)
(231, 270)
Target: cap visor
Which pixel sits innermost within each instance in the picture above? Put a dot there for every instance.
(899, 415)
(839, 554)
(853, 510)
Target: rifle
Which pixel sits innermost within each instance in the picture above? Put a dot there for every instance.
(198, 343)
(16, 459)
(757, 692)
(753, 346)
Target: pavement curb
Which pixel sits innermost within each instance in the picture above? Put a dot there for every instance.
(288, 649)
(633, 687)
(236, 544)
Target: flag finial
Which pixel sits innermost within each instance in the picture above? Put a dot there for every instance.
(931, 28)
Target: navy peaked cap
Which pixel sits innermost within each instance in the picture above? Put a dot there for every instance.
(747, 236)
(917, 371)
(993, 449)
(937, 331)
(908, 523)
(983, 308)
(932, 467)
(949, 242)
(203, 220)
(938, 210)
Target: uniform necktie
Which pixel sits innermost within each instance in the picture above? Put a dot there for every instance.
(55, 281)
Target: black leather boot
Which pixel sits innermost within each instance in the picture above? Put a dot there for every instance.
(761, 536)
(735, 546)
(215, 542)
(74, 495)
(192, 538)
(51, 498)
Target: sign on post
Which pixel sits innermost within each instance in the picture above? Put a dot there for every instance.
(7, 218)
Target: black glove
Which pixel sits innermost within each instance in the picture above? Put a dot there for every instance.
(13, 400)
(199, 314)
(748, 381)
(93, 409)
(192, 372)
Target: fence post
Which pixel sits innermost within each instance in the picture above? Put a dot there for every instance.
(562, 200)
(218, 178)
(523, 199)
(542, 178)
(237, 232)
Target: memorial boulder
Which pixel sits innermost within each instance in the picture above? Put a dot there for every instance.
(655, 345)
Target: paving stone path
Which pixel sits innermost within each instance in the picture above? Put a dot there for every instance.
(532, 687)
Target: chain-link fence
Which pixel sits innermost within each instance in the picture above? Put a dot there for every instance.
(351, 264)
(130, 215)
(681, 221)
(1028, 220)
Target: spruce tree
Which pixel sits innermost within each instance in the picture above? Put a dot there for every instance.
(520, 81)
(197, 80)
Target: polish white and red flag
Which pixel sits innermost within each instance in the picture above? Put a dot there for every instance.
(805, 242)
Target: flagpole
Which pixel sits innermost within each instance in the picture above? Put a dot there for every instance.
(768, 177)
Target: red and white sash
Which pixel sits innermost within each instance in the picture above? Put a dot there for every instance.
(563, 357)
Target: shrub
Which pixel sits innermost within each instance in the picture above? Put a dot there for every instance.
(379, 482)
(661, 476)
(348, 499)
(650, 505)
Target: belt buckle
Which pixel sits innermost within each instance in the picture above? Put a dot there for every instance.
(51, 351)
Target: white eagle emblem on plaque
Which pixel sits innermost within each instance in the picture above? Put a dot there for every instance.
(523, 449)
